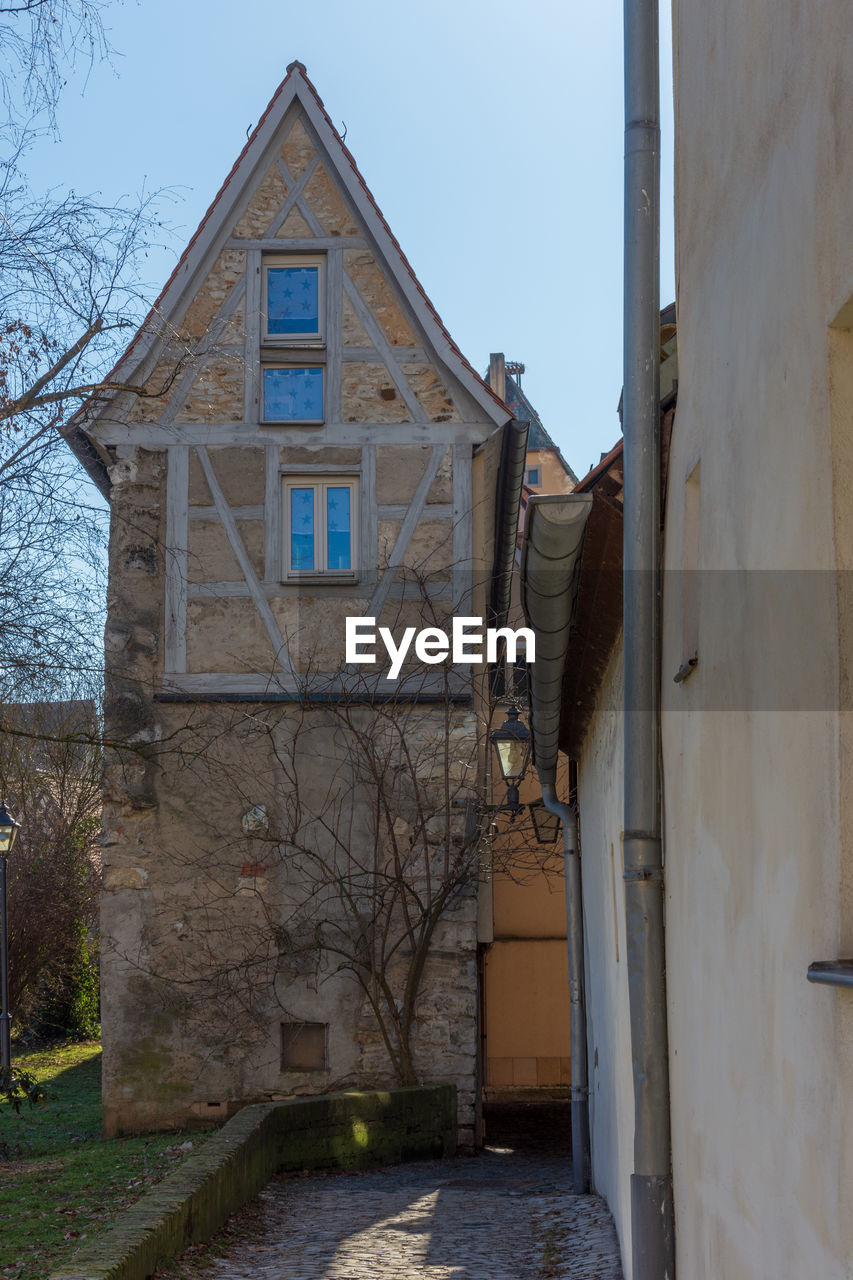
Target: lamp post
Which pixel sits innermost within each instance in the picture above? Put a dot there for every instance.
(512, 746)
(9, 829)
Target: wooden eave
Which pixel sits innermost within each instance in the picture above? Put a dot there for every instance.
(596, 618)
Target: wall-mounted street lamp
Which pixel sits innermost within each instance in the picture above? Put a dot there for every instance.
(512, 747)
(9, 829)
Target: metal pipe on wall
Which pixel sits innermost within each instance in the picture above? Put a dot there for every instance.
(652, 1218)
(577, 1006)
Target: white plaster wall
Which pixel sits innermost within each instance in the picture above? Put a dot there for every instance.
(608, 1029)
(761, 1074)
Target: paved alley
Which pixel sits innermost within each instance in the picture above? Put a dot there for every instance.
(507, 1214)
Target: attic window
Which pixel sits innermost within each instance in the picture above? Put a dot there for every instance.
(534, 475)
(293, 302)
(293, 393)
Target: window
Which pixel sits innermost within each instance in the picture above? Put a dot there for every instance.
(534, 475)
(304, 1046)
(293, 393)
(293, 299)
(293, 307)
(320, 527)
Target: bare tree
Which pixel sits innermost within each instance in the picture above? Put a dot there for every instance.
(378, 822)
(366, 846)
(43, 42)
(367, 828)
(50, 775)
(68, 268)
(71, 292)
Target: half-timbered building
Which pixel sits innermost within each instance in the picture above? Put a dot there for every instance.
(299, 441)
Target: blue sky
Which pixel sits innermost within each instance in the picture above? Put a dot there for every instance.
(490, 133)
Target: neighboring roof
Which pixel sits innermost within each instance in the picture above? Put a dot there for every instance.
(576, 630)
(607, 461)
(539, 438)
(554, 535)
(596, 618)
(295, 86)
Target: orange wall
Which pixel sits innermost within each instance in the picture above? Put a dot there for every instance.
(554, 478)
(526, 976)
(527, 1013)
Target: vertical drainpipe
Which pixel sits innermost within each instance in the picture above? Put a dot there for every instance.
(652, 1221)
(577, 1006)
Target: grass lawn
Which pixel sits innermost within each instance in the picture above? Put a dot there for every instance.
(60, 1181)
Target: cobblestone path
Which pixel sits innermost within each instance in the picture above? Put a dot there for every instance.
(503, 1215)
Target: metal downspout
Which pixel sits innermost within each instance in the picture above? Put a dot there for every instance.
(652, 1220)
(577, 1005)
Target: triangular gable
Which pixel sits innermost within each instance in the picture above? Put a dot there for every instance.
(223, 217)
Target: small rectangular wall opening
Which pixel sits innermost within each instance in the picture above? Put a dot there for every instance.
(304, 1046)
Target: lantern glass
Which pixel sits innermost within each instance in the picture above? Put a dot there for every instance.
(9, 829)
(512, 745)
(513, 759)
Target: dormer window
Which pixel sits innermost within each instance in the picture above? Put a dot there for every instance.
(293, 301)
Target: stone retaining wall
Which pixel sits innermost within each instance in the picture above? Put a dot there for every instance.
(342, 1130)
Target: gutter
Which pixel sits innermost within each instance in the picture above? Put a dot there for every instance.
(509, 484)
(550, 562)
(89, 458)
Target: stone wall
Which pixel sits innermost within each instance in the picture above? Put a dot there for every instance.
(211, 925)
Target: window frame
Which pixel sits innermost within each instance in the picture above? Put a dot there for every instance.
(538, 471)
(271, 261)
(320, 483)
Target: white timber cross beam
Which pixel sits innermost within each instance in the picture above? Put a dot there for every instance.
(295, 189)
(256, 592)
(365, 315)
(217, 325)
(385, 350)
(407, 528)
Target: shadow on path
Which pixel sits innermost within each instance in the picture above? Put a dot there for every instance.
(495, 1216)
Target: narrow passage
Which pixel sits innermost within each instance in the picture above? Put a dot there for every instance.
(506, 1214)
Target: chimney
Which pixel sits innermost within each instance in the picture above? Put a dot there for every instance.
(497, 374)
